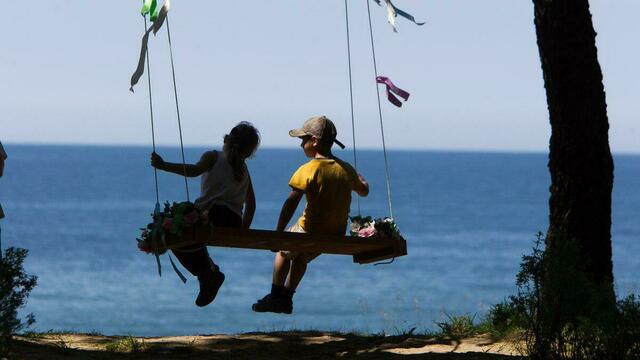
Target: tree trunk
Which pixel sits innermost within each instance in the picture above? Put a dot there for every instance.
(580, 159)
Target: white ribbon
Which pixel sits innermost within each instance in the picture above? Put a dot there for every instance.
(393, 12)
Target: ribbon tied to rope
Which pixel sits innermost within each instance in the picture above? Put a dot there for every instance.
(149, 6)
(393, 89)
(393, 12)
(158, 239)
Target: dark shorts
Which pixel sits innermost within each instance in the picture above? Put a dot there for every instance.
(220, 215)
(196, 258)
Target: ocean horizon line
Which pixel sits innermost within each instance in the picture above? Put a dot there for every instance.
(285, 148)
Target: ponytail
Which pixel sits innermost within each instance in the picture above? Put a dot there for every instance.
(241, 143)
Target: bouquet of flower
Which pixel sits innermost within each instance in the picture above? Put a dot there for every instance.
(173, 219)
(368, 227)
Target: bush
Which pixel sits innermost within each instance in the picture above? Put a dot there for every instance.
(503, 320)
(562, 314)
(15, 286)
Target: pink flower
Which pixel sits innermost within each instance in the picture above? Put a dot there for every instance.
(367, 231)
(143, 247)
(167, 224)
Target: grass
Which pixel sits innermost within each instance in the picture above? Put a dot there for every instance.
(128, 344)
(34, 335)
(496, 323)
(454, 327)
(458, 327)
(62, 345)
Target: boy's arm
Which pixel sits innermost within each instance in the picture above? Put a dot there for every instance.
(249, 207)
(289, 208)
(361, 186)
(190, 170)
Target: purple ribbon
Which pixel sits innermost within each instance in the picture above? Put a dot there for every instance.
(392, 88)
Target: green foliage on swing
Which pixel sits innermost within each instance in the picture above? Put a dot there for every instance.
(368, 227)
(174, 219)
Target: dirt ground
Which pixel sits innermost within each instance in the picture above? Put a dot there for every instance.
(282, 345)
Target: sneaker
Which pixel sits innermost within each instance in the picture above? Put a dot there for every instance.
(274, 304)
(209, 286)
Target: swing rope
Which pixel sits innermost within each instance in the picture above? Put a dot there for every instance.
(175, 92)
(184, 164)
(353, 123)
(153, 133)
(156, 210)
(384, 147)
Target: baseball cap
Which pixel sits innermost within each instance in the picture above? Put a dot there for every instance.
(319, 127)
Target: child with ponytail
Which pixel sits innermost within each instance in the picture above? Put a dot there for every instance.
(225, 189)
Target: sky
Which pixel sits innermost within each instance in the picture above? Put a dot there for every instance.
(473, 72)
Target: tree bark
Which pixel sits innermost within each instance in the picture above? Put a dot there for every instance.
(580, 159)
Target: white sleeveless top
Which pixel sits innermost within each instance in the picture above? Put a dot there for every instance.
(218, 186)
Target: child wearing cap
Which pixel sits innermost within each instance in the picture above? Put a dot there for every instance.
(326, 182)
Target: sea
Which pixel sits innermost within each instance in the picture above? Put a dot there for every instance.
(468, 219)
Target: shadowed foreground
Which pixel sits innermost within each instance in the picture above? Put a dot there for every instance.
(281, 345)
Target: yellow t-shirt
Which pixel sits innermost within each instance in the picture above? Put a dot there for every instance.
(327, 184)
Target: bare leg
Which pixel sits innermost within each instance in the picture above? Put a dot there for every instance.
(280, 269)
(298, 268)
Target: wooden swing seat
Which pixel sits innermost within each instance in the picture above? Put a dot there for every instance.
(363, 250)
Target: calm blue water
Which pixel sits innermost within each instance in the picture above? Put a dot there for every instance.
(468, 218)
